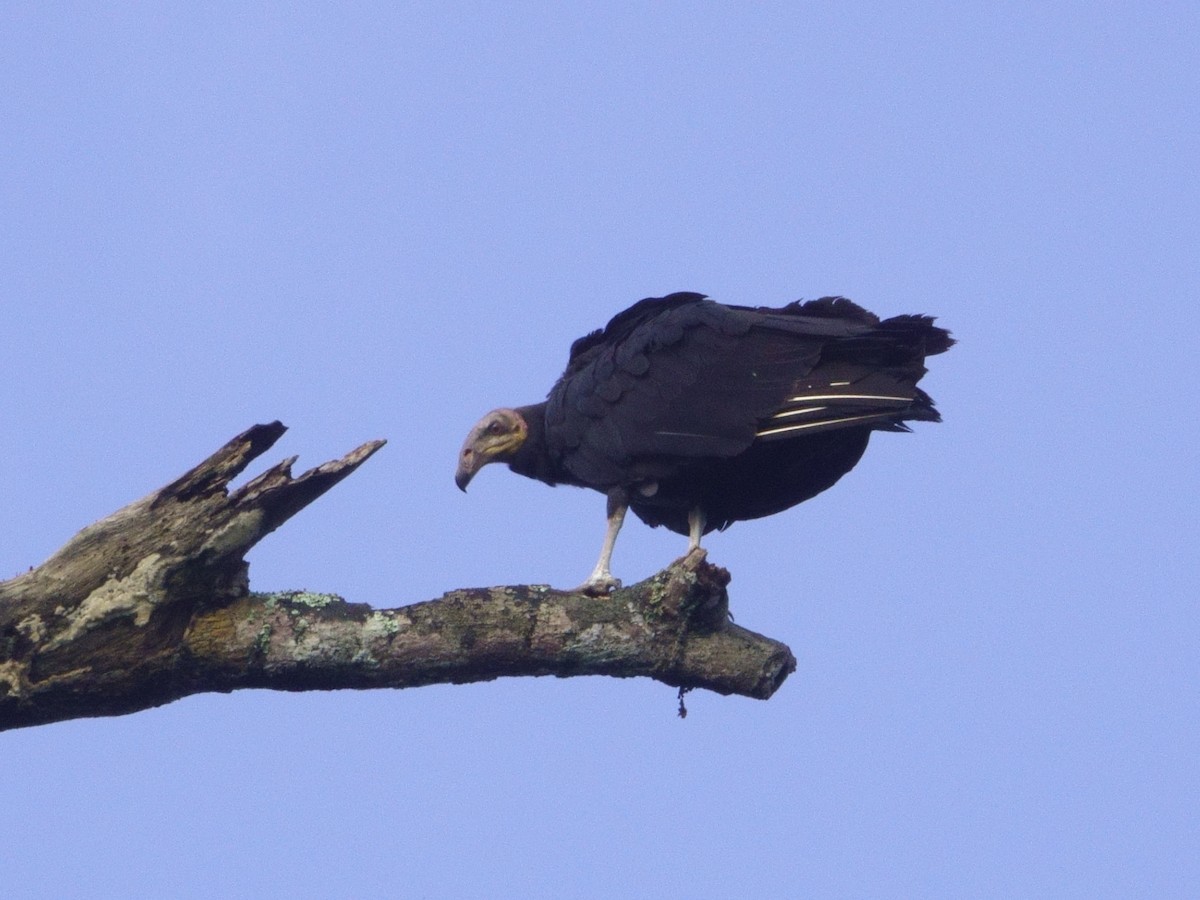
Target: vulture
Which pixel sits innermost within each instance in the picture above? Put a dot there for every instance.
(696, 414)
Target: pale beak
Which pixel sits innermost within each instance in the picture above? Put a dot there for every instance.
(468, 465)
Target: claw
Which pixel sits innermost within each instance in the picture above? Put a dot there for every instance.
(598, 586)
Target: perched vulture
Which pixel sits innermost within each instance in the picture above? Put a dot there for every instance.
(696, 415)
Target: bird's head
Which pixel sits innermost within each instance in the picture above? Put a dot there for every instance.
(495, 438)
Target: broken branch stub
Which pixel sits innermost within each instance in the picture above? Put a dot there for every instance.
(105, 615)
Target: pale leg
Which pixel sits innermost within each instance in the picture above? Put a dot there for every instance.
(695, 528)
(601, 580)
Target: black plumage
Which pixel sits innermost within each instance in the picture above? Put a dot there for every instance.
(696, 415)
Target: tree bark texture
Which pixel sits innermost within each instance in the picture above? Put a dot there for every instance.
(153, 603)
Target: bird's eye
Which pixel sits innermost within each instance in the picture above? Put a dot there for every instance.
(494, 427)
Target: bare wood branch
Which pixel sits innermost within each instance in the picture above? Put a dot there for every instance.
(153, 603)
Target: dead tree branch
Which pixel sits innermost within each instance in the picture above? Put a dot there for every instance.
(153, 603)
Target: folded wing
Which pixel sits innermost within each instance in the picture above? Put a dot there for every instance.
(684, 378)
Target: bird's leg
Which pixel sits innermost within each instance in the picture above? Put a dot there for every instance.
(601, 580)
(695, 527)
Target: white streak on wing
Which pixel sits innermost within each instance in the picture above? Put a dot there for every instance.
(788, 413)
(804, 398)
(800, 426)
(838, 383)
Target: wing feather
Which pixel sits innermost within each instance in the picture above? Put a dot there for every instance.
(683, 377)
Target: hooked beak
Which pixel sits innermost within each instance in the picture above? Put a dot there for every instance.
(468, 464)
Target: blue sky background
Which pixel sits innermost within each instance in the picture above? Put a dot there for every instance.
(381, 220)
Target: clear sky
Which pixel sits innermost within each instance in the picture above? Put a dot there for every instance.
(381, 220)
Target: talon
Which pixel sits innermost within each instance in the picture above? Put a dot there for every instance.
(599, 586)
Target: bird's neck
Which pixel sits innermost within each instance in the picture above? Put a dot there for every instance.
(533, 459)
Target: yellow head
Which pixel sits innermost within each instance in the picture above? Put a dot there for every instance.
(495, 438)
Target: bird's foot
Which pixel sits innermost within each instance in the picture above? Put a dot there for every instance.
(599, 585)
